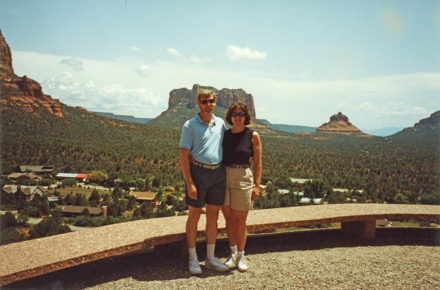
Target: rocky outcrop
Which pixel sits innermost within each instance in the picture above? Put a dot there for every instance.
(22, 92)
(427, 124)
(340, 125)
(225, 97)
(6, 70)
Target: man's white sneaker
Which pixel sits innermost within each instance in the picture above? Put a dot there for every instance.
(215, 264)
(194, 267)
(231, 261)
(242, 264)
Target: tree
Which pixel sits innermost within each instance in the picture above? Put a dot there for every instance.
(98, 177)
(8, 220)
(141, 184)
(180, 205)
(336, 197)
(46, 182)
(117, 193)
(49, 226)
(94, 198)
(156, 182)
(69, 182)
(11, 235)
(316, 189)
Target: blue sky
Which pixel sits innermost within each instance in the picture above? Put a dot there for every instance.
(378, 62)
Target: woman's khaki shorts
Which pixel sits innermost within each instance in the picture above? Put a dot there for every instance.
(239, 185)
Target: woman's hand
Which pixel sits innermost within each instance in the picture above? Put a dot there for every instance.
(255, 192)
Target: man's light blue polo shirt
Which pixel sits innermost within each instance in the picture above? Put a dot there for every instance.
(204, 141)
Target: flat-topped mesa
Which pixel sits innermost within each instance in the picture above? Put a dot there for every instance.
(22, 92)
(225, 97)
(340, 125)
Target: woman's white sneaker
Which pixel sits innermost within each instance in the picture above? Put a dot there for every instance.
(242, 264)
(231, 261)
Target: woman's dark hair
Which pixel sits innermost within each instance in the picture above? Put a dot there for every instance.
(242, 107)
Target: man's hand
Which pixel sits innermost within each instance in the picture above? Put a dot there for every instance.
(192, 191)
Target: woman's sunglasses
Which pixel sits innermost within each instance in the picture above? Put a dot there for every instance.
(204, 102)
(241, 114)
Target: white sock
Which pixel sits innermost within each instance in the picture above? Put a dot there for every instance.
(240, 253)
(210, 249)
(192, 253)
(233, 250)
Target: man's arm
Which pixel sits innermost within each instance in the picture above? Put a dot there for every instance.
(185, 155)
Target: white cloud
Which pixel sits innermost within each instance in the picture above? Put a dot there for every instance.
(113, 98)
(192, 59)
(197, 60)
(136, 49)
(143, 70)
(73, 62)
(236, 53)
(173, 52)
(280, 97)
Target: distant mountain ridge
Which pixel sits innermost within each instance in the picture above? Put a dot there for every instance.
(125, 118)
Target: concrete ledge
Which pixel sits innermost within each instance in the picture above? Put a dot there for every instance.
(41, 256)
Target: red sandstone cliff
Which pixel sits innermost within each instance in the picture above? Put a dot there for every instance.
(225, 97)
(22, 92)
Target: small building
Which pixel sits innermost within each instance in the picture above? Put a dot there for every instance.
(142, 196)
(342, 190)
(307, 200)
(298, 193)
(29, 191)
(80, 177)
(300, 180)
(40, 170)
(21, 178)
(73, 210)
(283, 191)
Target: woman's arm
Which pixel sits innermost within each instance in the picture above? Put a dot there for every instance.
(258, 164)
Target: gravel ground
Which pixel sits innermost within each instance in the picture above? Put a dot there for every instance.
(405, 259)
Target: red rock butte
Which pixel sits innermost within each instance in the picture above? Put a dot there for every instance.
(340, 125)
(22, 92)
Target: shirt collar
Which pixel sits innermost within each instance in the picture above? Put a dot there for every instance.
(201, 121)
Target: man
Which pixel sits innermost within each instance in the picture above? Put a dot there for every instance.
(200, 160)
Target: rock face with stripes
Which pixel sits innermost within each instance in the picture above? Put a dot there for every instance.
(22, 92)
(225, 97)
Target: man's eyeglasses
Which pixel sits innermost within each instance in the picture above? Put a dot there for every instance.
(241, 114)
(204, 102)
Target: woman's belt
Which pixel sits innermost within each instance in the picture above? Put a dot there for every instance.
(237, 165)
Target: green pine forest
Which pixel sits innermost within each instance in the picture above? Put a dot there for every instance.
(403, 168)
(397, 169)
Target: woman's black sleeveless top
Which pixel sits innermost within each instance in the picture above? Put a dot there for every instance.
(237, 147)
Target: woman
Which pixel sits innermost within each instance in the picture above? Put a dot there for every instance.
(240, 146)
